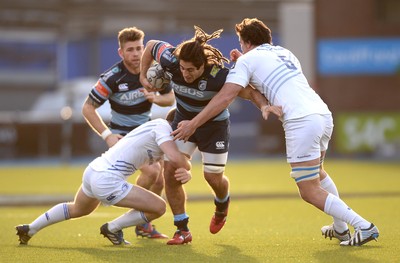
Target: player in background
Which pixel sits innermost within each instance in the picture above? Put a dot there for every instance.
(130, 107)
(307, 123)
(105, 181)
(198, 74)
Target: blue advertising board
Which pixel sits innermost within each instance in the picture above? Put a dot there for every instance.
(376, 56)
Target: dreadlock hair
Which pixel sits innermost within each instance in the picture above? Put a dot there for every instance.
(198, 52)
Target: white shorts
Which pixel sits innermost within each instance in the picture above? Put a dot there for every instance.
(105, 186)
(307, 137)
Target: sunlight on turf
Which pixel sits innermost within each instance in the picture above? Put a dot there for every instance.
(279, 229)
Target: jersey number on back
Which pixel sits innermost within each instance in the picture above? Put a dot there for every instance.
(289, 64)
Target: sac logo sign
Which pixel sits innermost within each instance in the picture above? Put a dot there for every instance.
(367, 132)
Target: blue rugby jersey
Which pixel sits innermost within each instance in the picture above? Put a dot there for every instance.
(191, 98)
(129, 106)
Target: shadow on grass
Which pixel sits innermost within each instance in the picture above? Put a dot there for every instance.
(154, 252)
(346, 254)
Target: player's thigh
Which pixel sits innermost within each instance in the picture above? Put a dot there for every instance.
(141, 199)
(152, 170)
(187, 148)
(213, 137)
(82, 205)
(213, 143)
(303, 138)
(108, 188)
(327, 134)
(214, 163)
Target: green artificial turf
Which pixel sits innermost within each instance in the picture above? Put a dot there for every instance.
(267, 220)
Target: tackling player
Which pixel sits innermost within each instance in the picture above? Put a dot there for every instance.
(307, 122)
(130, 107)
(105, 181)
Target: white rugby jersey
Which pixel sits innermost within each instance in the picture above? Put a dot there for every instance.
(277, 73)
(140, 146)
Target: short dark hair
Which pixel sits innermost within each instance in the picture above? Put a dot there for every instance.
(253, 31)
(198, 52)
(129, 34)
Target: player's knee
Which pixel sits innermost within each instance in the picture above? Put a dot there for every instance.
(152, 171)
(162, 208)
(306, 196)
(169, 170)
(322, 174)
(305, 173)
(215, 180)
(159, 183)
(169, 180)
(75, 211)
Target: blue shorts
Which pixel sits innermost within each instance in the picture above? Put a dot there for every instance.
(211, 137)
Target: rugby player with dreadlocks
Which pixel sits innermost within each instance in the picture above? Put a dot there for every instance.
(198, 74)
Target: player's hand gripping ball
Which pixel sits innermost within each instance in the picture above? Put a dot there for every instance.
(157, 77)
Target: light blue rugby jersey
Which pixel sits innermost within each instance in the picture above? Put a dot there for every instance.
(139, 147)
(277, 73)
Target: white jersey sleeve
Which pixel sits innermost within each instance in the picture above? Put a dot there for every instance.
(277, 74)
(139, 147)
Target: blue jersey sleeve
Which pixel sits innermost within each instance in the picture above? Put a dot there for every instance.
(163, 53)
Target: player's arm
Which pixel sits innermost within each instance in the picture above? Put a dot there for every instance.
(175, 157)
(218, 103)
(252, 94)
(178, 160)
(259, 100)
(89, 112)
(145, 63)
(92, 117)
(166, 99)
(161, 99)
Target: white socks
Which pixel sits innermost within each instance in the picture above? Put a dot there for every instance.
(335, 207)
(131, 218)
(56, 214)
(330, 187)
(60, 213)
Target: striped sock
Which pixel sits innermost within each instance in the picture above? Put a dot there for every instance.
(54, 215)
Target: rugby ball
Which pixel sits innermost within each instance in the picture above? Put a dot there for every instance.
(157, 77)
